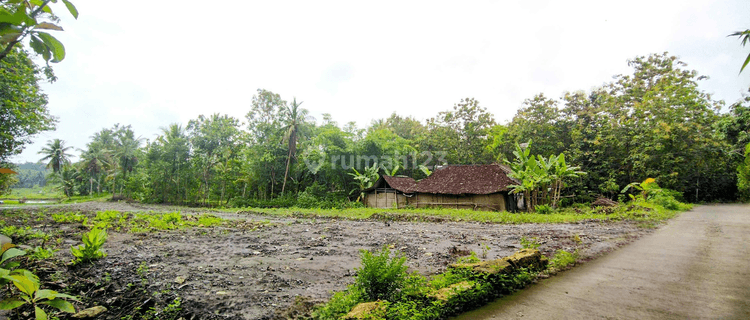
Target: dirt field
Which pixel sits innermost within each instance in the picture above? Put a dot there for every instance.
(269, 267)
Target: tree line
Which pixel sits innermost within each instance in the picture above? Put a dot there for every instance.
(653, 123)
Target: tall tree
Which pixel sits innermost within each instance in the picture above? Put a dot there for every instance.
(293, 117)
(56, 154)
(462, 132)
(23, 106)
(214, 139)
(127, 150)
(95, 160)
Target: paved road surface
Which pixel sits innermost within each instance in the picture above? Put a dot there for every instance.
(696, 267)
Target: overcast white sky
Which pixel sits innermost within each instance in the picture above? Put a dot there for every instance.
(152, 63)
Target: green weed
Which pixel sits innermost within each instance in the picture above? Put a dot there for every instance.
(563, 259)
(90, 250)
(532, 243)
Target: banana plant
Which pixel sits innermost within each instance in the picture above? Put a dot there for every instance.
(365, 180)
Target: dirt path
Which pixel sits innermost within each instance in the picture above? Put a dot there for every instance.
(696, 267)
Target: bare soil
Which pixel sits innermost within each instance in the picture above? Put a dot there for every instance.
(266, 267)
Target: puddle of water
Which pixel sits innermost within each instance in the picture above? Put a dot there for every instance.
(41, 201)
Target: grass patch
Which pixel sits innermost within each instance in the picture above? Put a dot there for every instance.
(636, 211)
(563, 259)
(94, 197)
(47, 192)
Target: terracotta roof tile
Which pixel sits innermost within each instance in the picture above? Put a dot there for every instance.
(467, 179)
(403, 184)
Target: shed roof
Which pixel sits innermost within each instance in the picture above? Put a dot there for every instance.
(467, 179)
(400, 183)
(403, 184)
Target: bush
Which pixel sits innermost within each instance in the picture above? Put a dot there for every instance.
(543, 209)
(381, 276)
(340, 304)
(562, 259)
(307, 200)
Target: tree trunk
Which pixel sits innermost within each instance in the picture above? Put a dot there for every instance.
(286, 173)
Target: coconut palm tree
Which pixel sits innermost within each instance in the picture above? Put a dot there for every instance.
(128, 151)
(293, 118)
(55, 153)
(95, 160)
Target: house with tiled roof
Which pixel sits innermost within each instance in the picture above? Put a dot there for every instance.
(478, 187)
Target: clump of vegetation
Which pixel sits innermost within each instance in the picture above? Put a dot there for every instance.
(563, 259)
(532, 243)
(41, 253)
(416, 297)
(471, 258)
(139, 222)
(542, 179)
(70, 217)
(381, 276)
(110, 218)
(92, 243)
(26, 287)
(650, 192)
(543, 209)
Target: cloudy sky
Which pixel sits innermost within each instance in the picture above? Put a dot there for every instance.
(151, 63)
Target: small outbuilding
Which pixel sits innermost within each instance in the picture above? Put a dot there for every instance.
(478, 187)
(390, 192)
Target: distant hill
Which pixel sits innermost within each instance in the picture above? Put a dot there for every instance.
(31, 174)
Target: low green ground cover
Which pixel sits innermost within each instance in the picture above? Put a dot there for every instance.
(636, 211)
(384, 289)
(48, 192)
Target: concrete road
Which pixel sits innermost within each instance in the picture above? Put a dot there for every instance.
(695, 267)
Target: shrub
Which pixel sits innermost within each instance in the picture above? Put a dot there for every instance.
(92, 242)
(307, 200)
(340, 304)
(543, 209)
(381, 276)
(562, 259)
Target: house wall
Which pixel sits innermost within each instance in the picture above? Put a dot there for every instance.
(489, 202)
(385, 199)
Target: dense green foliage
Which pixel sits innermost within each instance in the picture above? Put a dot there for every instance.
(31, 175)
(743, 175)
(23, 107)
(381, 276)
(414, 296)
(653, 123)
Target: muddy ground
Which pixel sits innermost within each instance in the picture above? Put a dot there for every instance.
(266, 267)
